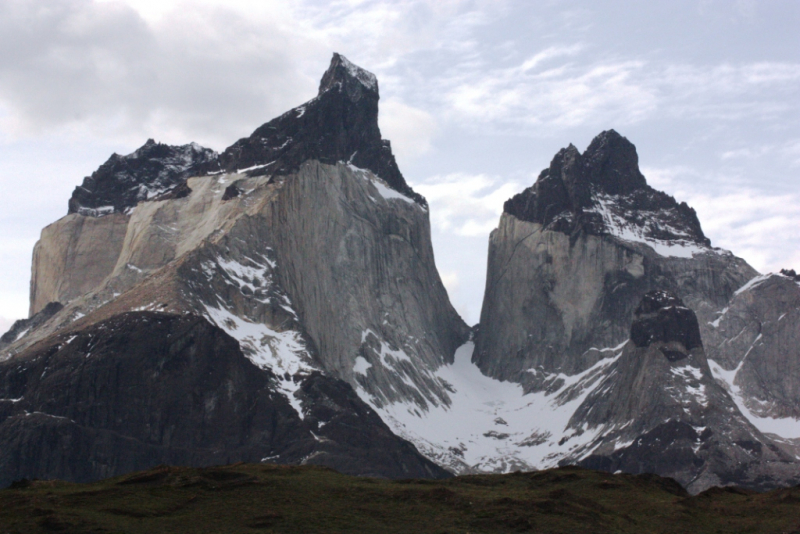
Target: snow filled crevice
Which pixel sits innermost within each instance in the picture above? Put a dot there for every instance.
(491, 425)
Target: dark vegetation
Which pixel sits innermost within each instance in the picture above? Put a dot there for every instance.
(267, 498)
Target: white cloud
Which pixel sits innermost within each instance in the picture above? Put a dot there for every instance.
(466, 204)
(410, 129)
(5, 324)
(539, 92)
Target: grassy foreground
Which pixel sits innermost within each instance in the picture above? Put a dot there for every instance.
(268, 498)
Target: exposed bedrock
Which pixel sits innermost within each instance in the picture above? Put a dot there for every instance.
(574, 254)
(662, 412)
(145, 388)
(755, 346)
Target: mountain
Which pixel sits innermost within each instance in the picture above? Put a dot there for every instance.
(753, 346)
(575, 253)
(279, 302)
(321, 272)
(661, 411)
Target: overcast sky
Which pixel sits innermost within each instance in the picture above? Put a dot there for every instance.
(476, 97)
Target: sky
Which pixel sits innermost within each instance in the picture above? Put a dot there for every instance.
(477, 96)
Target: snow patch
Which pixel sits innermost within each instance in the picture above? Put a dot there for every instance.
(754, 282)
(284, 353)
(383, 190)
(623, 229)
(361, 366)
(464, 434)
(785, 427)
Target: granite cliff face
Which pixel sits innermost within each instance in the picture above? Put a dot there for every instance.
(145, 388)
(753, 346)
(661, 411)
(320, 269)
(574, 254)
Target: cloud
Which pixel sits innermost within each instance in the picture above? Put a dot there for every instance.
(410, 129)
(564, 87)
(102, 69)
(467, 205)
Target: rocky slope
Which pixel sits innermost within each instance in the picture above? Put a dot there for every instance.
(574, 254)
(319, 269)
(144, 388)
(753, 347)
(661, 411)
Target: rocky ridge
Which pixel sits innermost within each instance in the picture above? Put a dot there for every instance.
(152, 171)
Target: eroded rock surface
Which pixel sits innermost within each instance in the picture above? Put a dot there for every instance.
(574, 254)
(144, 388)
(754, 345)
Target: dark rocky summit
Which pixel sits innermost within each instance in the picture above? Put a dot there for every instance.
(145, 388)
(340, 124)
(150, 172)
(663, 317)
(602, 192)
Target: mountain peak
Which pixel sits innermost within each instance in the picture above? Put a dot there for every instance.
(151, 170)
(339, 125)
(603, 192)
(350, 76)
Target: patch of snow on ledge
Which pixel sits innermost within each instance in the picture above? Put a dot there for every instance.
(625, 230)
(786, 427)
(384, 190)
(280, 352)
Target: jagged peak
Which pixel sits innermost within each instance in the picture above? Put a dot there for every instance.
(343, 71)
(149, 171)
(602, 192)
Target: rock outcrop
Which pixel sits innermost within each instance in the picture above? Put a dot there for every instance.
(144, 388)
(320, 267)
(661, 411)
(574, 254)
(754, 348)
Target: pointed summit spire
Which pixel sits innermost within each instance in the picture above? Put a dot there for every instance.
(350, 76)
